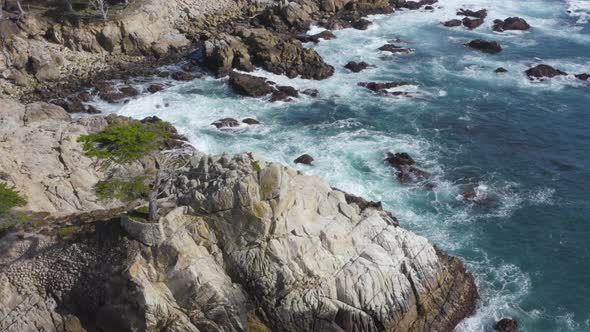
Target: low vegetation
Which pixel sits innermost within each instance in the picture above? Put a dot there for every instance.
(10, 198)
(126, 190)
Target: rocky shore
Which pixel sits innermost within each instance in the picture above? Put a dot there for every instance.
(242, 244)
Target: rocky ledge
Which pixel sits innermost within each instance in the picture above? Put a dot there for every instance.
(242, 244)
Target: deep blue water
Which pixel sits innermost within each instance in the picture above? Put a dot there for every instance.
(525, 145)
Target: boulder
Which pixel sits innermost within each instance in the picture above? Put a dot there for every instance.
(511, 23)
(542, 70)
(361, 24)
(304, 159)
(583, 77)
(284, 93)
(406, 170)
(248, 85)
(500, 70)
(482, 13)
(182, 76)
(412, 5)
(311, 92)
(357, 66)
(472, 23)
(485, 46)
(326, 35)
(129, 91)
(452, 23)
(225, 52)
(226, 123)
(153, 88)
(392, 48)
(381, 86)
(251, 121)
(506, 325)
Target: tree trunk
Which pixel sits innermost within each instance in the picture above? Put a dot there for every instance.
(20, 8)
(153, 199)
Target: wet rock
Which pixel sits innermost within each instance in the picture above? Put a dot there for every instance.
(405, 170)
(428, 8)
(412, 5)
(304, 159)
(84, 96)
(382, 86)
(485, 46)
(501, 70)
(357, 66)
(153, 88)
(472, 23)
(248, 85)
(392, 48)
(511, 23)
(226, 123)
(284, 93)
(111, 96)
(541, 71)
(326, 35)
(452, 23)
(362, 24)
(482, 13)
(182, 76)
(129, 91)
(506, 325)
(583, 77)
(251, 121)
(311, 92)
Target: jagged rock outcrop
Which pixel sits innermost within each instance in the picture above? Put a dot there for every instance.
(245, 243)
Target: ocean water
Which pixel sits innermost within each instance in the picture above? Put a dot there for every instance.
(525, 146)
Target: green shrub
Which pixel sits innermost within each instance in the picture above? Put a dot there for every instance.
(126, 143)
(124, 190)
(9, 198)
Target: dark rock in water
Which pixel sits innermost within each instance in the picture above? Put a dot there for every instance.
(501, 70)
(91, 110)
(452, 23)
(380, 86)
(412, 5)
(111, 96)
(153, 88)
(248, 85)
(357, 66)
(85, 96)
(362, 24)
(542, 70)
(511, 23)
(428, 8)
(284, 93)
(311, 92)
(304, 159)
(250, 121)
(129, 91)
(472, 23)
(506, 325)
(482, 13)
(392, 48)
(405, 169)
(225, 123)
(327, 35)
(182, 76)
(583, 77)
(485, 46)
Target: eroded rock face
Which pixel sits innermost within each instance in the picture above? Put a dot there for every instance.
(249, 243)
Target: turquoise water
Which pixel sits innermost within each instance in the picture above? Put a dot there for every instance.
(524, 145)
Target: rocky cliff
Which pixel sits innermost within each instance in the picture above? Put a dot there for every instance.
(242, 244)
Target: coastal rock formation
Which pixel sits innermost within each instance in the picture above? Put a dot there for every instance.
(506, 325)
(485, 46)
(326, 35)
(304, 159)
(453, 23)
(472, 23)
(248, 85)
(245, 245)
(542, 71)
(500, 70)
(482, 13)
(226, 123)
(583, 76)
(511, 23)
(356, 67)
(395, 49)
(405, 167)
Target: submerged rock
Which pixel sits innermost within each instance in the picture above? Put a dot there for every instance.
(284, 93)
(311, 92)
(500, 70)
(583, 77)
(248, 85)
(129, 91)
(153, 88)
(541, 71)
(182, 76)
(392, 48)
(357, 66)
(361, 24)
(326, 35)
(511, 23)
(452, 23)
(226, 123)
(304, 159)
(506, 325)
(382, 87)
(250, 121)
(482, 13)
(472, 23)
(485, 46)
(405, 167)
